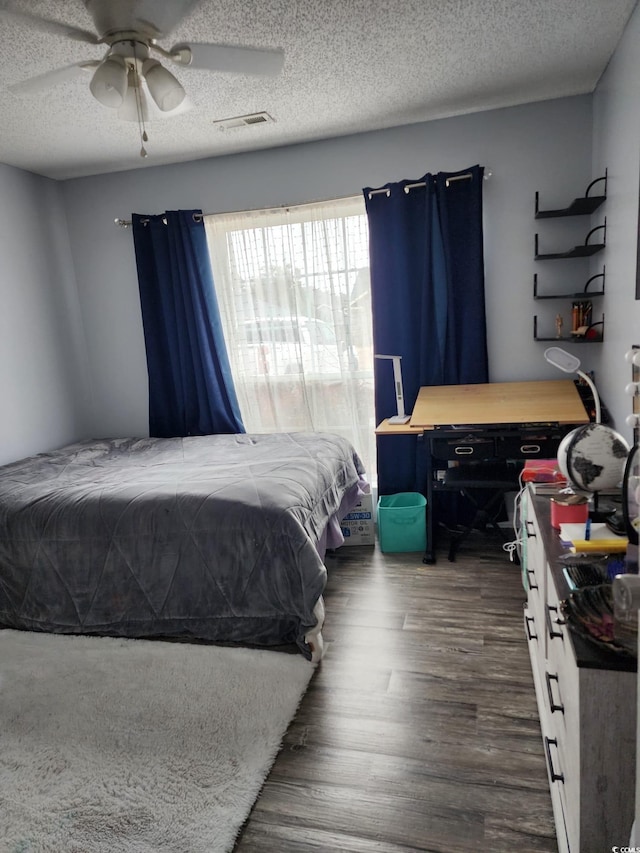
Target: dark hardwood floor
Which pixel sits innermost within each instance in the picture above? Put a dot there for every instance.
(419, 731)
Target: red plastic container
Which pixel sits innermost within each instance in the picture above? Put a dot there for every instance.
(568, 513)
(542, 471)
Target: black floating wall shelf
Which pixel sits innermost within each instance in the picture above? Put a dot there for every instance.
(578, 294)
(594, 334)
(583, 251)
(579, 206)
(580, 312)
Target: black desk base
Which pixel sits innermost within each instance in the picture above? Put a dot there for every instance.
(486, 444)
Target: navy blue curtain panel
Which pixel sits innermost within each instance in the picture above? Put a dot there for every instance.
(191, 389)
(427, 297)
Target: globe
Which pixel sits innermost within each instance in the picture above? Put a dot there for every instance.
(592, 457)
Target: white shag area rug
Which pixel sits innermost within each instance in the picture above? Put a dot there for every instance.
(142, 746)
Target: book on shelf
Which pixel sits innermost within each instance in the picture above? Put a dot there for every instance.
(581, 316)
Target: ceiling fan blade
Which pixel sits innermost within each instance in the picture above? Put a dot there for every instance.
(153, 18)
(45, 81)
(221, 57)
(46, 25)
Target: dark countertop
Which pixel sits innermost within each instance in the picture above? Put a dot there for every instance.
(587, 654)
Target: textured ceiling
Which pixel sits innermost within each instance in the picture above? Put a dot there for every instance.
(350, 66)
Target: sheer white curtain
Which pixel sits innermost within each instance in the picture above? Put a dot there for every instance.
(293, 290)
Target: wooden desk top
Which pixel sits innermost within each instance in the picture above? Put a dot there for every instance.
(548, 401)
(385, 428)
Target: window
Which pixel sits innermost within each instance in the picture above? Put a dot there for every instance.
(294, 296)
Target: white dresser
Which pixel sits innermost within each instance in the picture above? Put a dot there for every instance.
(586, 701)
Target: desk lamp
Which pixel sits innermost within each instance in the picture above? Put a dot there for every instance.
(563, 360)
(592, 456)
(401, 417)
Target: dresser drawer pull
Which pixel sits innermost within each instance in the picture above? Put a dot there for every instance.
(552, 704)
(548, 743)
(530, 636)
(551, 622)
(531, 579)
(531, 531)
(529, 449)
(464, 451)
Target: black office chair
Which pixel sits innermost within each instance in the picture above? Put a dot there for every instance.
(484, 485)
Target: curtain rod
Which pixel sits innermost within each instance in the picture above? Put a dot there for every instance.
(125, 223)
(409, 187)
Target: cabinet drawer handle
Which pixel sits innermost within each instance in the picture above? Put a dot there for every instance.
(529, 448)
(530, 636)
(532, 575)
(552, 704)
(556, 621)
(548, 743)
(531, 531)
(463, 451)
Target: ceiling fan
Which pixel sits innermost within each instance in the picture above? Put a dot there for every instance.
(129, 78)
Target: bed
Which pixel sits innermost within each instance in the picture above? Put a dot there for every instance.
(219, 538)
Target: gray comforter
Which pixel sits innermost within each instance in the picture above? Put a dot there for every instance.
(211, 537)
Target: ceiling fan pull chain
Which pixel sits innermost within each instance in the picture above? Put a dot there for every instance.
(136, 80)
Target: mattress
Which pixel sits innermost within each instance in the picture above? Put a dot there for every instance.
(213, 537)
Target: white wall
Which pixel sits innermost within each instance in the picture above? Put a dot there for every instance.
(53, 389)
(544, 146)
(616, 145)
(43, 392)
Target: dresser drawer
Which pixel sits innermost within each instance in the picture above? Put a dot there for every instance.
(561, 699)
(535, 568)
(556, 777)
(527, 447)
(465, 448)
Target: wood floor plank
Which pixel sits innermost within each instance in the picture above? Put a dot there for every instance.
(372, 815)
(419, 732)
(260, 838)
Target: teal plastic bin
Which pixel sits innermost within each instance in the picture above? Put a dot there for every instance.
(402, 522)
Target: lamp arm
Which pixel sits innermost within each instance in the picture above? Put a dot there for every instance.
(594, 391)
(397, 379)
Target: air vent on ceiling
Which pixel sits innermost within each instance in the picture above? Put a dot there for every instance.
(243, 121)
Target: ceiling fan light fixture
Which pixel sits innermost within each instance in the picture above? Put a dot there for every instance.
(109, 82)
(163, 87)
(137, 106)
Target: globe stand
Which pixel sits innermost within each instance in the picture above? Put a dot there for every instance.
(600, 513)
